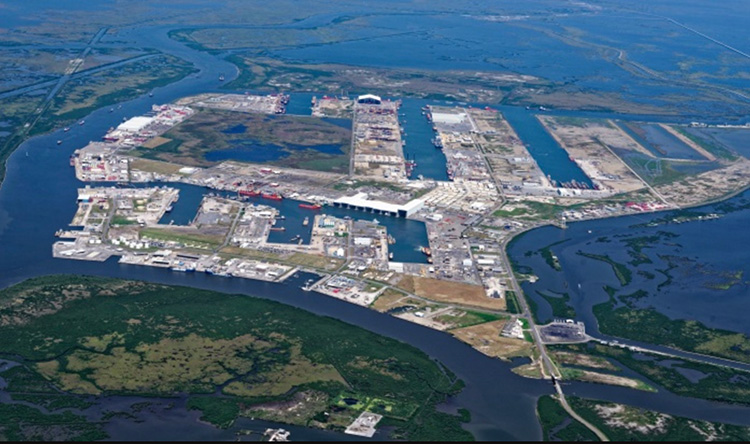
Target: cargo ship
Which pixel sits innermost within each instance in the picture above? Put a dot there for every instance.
(310, 206)
(250, 193)
(274, 196)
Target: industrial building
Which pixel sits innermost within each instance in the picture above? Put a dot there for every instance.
(369, 99)
(360, 202)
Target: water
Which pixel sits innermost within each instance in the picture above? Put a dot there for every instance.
(698, 251)
(551, 158)
(661, 143)
(418, 136)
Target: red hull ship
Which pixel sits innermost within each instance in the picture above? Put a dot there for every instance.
(310, 206)
(251, 193)
(273, 196)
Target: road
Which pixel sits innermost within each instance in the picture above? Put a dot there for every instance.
(546, 365)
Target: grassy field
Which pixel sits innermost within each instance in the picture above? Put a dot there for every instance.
(182, 235)
(289, 141)
(98, 336)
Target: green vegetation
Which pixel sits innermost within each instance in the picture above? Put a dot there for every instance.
(648, 325)
(100, 336)
(626, 423)
(622, 272)
(560, 305)
(511, 300)
(468, 318)
(557, 425)
(220, 412)
(549, 256)
(709, 381)
(121, 220)
(654, 171)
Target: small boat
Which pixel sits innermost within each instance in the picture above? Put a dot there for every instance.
(66, 129)
(390, 256)
(59, 142)
(306, 221)
(151, 94)
(426, 251)
(221, 78)
(81, 122)
(111, 110)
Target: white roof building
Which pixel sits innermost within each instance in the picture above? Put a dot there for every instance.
(135, 124)
(360, 202)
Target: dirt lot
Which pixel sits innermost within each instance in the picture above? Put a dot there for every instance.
(486, 338)
(589, 143)
(450, 292)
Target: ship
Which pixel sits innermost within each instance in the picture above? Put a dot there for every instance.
(278, 229)
(427, 251)
(272, 196)
(310, 206)
(306, 222)
(250, 193)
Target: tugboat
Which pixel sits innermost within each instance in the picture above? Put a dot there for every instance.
(273, 196)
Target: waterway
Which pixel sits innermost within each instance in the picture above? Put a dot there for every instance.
(39, 196)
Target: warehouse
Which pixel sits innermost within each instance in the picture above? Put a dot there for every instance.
(360, 202)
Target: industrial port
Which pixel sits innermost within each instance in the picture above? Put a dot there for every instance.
(242, 226)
